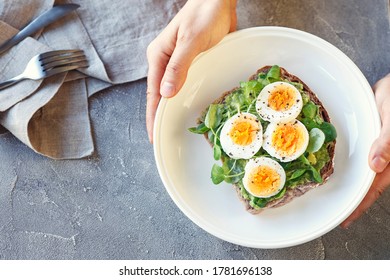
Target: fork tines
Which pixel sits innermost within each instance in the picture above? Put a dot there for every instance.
(54, 62)
(59, 52)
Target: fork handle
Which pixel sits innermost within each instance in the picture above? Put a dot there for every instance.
(10, 82)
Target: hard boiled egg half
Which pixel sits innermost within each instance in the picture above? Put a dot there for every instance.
(264, 177)
(279, 102)
(242, 136)
(286, 141)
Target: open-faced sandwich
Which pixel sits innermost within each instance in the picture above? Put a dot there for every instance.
(273, 137)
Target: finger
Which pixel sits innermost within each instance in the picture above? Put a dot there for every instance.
(157, 60)
(152, 101)
(380, 151)
(177, 68)
(380, 183)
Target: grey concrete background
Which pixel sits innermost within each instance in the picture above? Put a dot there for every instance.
(113, 204)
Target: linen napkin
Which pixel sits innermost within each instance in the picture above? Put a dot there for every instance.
(51, 115)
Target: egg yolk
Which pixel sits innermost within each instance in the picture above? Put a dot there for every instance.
(263, 181)
(287, 138)
(281, 98)
(243, 132)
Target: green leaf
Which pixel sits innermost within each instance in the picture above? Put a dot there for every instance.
(316, 140)
(211, 136)
(297, 173)
(316, 175)
(217, 152)
(200, 129)
(217, 174)
(310, 110)
(237, 100)
(232, 179)
(233, 169)
(329, 131)
(273, 74)
(259, 202)
(304, 160)
(213, 116)
(251, 89)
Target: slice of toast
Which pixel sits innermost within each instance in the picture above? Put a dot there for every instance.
(325, 171)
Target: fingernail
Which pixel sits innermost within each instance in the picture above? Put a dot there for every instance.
(379, 164)
(167, 89)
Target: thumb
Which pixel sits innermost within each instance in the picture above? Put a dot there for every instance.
(177, 68)
(380, 150)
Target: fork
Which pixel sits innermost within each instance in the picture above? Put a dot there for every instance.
(48, 64)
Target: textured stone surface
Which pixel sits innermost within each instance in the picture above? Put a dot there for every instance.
(113, 204)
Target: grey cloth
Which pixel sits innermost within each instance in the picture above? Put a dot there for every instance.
(51, 116)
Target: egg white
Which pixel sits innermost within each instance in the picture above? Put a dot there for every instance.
(271, 115)
(282, 155)
(264, 161)
(234, 150)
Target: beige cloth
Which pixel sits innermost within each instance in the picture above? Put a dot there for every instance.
(51, 116)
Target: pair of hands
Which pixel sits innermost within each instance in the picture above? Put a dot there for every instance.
(200, 25)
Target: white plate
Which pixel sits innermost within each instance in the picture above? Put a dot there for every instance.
(184, 160)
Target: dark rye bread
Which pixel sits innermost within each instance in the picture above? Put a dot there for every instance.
(325, 172)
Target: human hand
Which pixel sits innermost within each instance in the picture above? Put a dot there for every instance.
(198, 26)
(379, 156)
